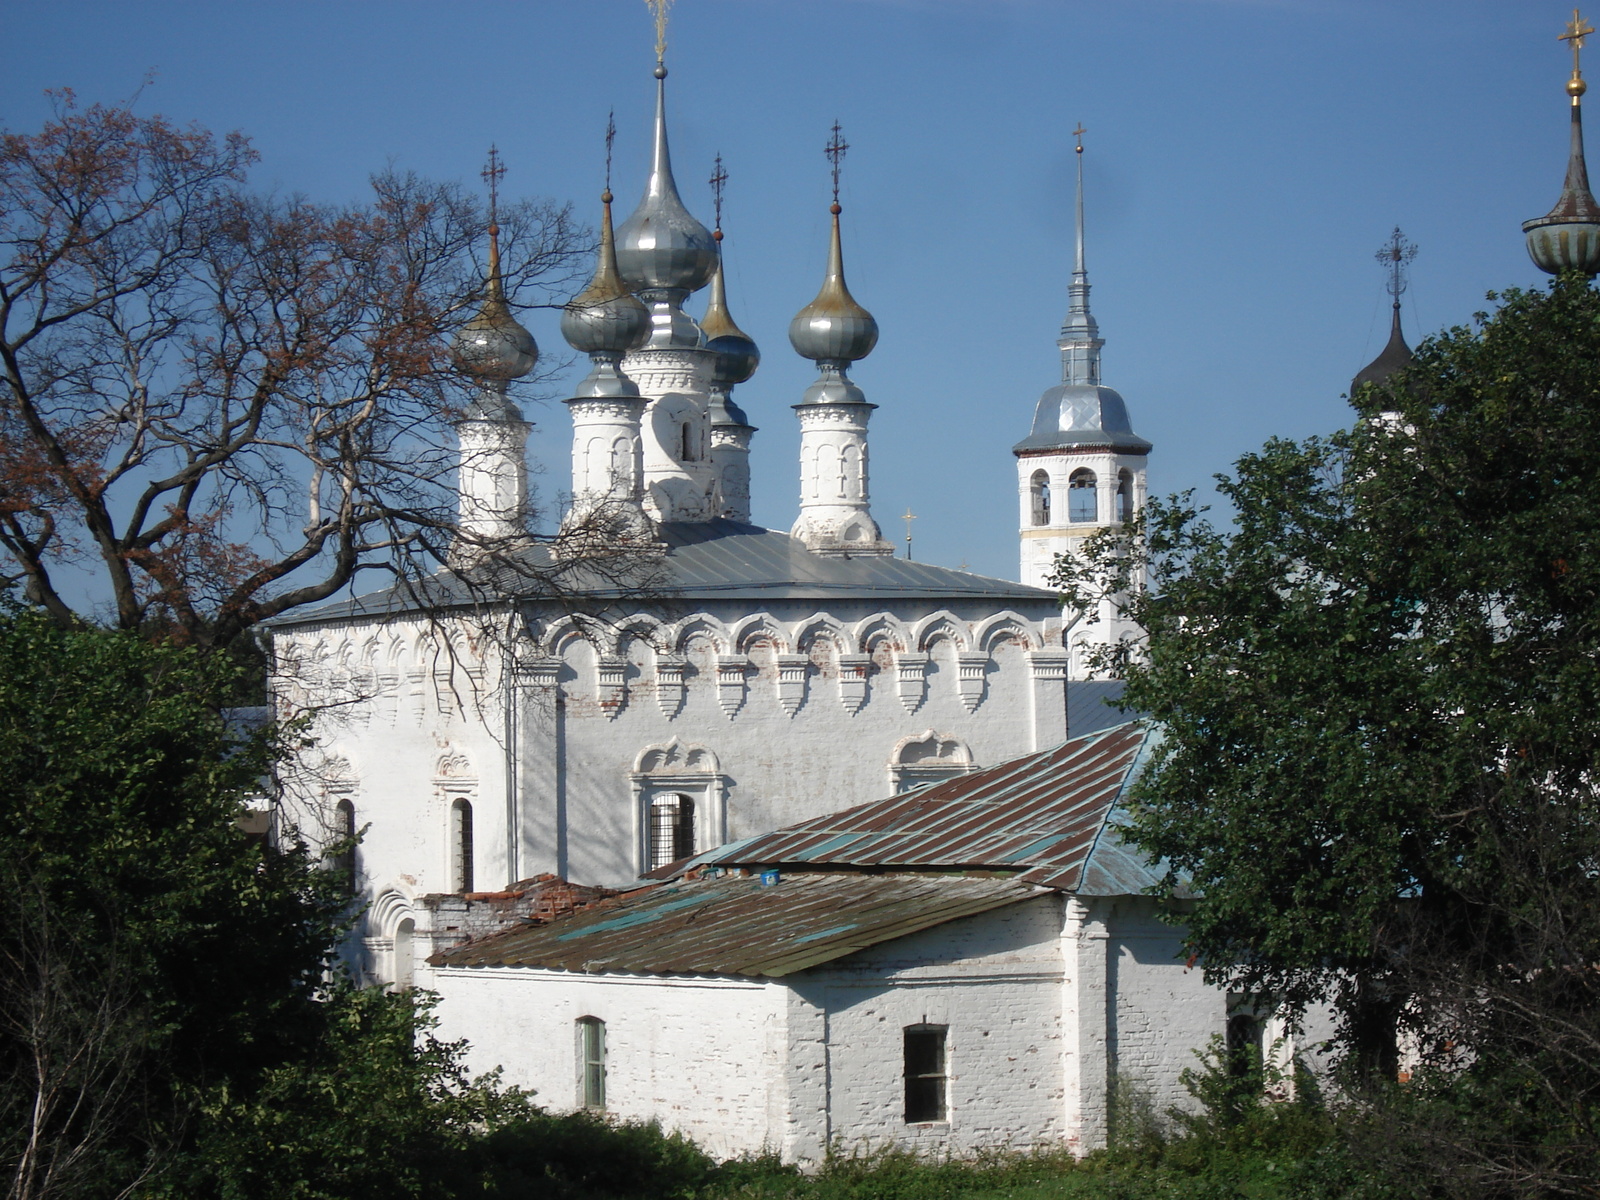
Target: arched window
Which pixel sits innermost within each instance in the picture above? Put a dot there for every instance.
(344, 836)
(591, 1062)
(461, 846)
(1124, 496)
(1083, 502)
(687, 429)
(671, 828)
(1039, 487)
(404, 956)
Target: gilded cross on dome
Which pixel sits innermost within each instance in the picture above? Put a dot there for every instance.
(1078, 133)
(1576, 31)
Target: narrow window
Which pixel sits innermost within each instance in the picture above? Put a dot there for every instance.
(1040, 489)
(925, 1074)
(344, 833)
(1243, 1042)
(688, 442)
(404, 955)
(671, 829)
(461, 846)
(1083, 503)
(592, 1061)
(1124, 496)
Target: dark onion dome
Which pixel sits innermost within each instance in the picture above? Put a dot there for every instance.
(1567, 238)
(833, 328)
(1082, 414)
(661, 246)
(493, 347)
(737, 355)
(605, 318)
(1395, 356)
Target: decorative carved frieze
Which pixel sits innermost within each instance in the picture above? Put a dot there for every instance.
(911, 671)
(972, 672)
(1048, 665)
(853, 672)
(611, 685)
(731, 681)
(792, 681)
(669, 683)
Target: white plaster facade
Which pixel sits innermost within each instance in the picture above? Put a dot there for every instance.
(1043, 1004)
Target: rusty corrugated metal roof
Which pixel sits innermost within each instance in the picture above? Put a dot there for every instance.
(1040, 816)
(733, 925)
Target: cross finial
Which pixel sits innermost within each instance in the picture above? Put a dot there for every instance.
(1395, 255)
(611, 137)
(719, 178)
(659, 9)
(1078, 133)
(1575, 32)
(835, 151)
(908, 518)
(493, 172)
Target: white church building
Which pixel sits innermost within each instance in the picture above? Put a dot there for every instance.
(517, 761)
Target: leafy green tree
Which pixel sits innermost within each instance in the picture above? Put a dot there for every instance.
(149, 949)
(1380, 688)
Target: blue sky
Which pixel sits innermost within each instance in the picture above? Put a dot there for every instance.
(1245, 158)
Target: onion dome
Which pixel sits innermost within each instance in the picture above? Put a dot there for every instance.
(1567, 238)
(605, 318)
(661, 246)
(833, 328)
(1395, 356)
(493, 347)
(737, 355)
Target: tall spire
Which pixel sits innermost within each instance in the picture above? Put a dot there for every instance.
(1080, 340)
(663, 252)
(1568, 236)
(1395, 254)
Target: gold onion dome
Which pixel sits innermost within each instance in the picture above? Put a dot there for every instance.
(605, 318)
(661, 246)
(1567, 238)
(737, 354)
(833, 328)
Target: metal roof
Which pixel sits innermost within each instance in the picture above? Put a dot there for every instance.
(1041, 816)
(735, 925)
(708, 560)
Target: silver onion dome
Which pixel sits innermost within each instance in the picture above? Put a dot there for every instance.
(737, 355)
(605, 318)
(661, 246)
(833, 328)
(493, 347)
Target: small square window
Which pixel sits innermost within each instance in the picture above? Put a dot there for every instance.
(925, 1074)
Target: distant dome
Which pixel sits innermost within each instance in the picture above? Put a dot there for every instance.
(493, 345)
(737, 355)
(1082, 414)
(1394, 356)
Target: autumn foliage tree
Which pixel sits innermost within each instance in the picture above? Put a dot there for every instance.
(217, 405)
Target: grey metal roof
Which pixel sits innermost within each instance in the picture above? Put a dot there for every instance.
(734, 925)
(707, 560)
(1082, 414)
(1044, 816)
